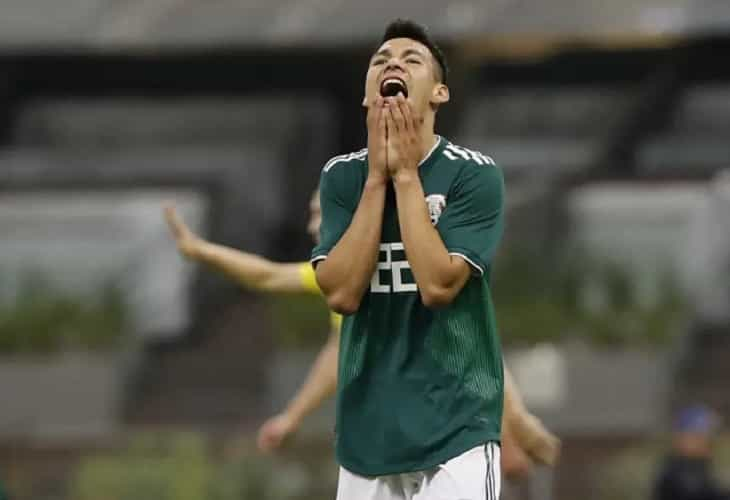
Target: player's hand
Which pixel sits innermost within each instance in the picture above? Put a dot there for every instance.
(187, 242)
(274, 431)
(514, 460)
(377, 142)
(404, 138)
(543, 446)
(515, 463)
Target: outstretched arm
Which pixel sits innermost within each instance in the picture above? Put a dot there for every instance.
(247, 269)
(320, 384)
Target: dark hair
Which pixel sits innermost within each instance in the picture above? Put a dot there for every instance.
(405, 28)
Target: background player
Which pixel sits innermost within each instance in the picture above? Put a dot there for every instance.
(524, 438)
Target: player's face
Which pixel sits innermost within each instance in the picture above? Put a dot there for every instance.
(413, 64)
(315, 217)
(693, 444)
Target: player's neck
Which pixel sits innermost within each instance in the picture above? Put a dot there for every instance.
(428, 136)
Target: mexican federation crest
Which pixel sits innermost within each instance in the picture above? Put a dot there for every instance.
(436, 204)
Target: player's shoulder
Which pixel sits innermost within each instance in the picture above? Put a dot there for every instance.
(472, 165)
(344, 174)
(467, 157)
(345, 160)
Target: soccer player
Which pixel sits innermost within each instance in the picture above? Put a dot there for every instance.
(524, 437)
(409, 228)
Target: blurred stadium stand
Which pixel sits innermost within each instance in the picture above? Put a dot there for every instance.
(524, 127)
(113, 23)
(73, 240)
(239, 146)
(236, 147)
(695, 137)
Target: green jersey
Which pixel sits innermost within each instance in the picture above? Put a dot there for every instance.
(418, 386)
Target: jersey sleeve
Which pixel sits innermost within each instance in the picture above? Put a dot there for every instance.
(473, 219)
(336, 199)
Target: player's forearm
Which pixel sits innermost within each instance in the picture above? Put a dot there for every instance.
(346, 272)
(436, 272)
(527, 429)
(321, 383)
(515, 412)
(513, 404)
(247, 269)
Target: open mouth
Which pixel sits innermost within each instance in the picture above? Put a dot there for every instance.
(390, 87)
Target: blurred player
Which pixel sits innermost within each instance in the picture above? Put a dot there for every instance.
(524, 438)
(409, 229)
(687, 471)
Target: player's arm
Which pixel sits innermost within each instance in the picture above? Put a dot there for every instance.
(320, 384)
(350, 240)
(346, 272)
(248, 269)
(440, 265)
(514, 459)
(528, 431)
(439, 276)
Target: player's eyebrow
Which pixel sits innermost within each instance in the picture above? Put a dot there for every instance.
(387, 53)
(412, 52)
(382, 53)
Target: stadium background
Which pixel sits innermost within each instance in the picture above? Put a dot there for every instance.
(128, 373)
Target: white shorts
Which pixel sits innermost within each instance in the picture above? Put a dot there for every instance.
(473, 475)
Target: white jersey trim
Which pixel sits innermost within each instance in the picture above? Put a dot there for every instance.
(317, 258)
(471, 262)
(433, 148)
(358, 155)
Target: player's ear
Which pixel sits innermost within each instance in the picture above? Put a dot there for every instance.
(440, 94)
(365, 101)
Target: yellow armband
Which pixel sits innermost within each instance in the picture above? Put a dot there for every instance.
(309, 283)
(309, 280)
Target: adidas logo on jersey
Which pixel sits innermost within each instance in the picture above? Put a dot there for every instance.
(454, 152)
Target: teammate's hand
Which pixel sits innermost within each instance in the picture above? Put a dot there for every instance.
(274, 431)
(404, 138)
(543, 446)
(515, 463)
(377, 142)
(514, 460)
(187, 242)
